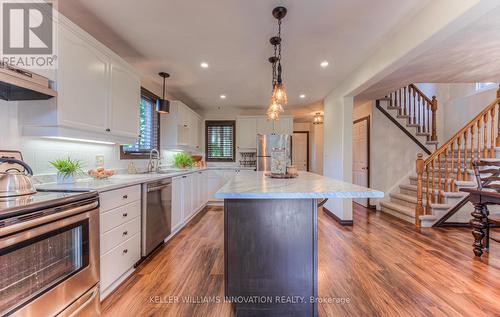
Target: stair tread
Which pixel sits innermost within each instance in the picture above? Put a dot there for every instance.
(399, 208)
(413, 199)
(447, 194)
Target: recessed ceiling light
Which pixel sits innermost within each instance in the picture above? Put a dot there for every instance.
(302, 96)
(324, 64)
(222, 96)
(204, 65)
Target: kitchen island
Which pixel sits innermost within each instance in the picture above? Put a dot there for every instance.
(271, 239)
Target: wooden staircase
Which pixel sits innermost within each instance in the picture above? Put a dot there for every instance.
(433, 192)
(414, 113)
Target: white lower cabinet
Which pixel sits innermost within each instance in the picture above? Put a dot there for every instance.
(188, 197)
(177, 203)
(119, 260)
(120, 235)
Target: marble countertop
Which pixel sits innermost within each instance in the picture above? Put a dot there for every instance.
(114, 182)
(306, 185)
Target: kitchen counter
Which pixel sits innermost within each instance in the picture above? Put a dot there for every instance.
(114, 182)
(271, 239)
(306, 185)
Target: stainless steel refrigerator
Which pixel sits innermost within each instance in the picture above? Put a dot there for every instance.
(266, 143)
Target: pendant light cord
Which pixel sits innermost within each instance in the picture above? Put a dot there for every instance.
(164, 78)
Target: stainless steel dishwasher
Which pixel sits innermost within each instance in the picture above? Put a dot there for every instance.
(156, 214)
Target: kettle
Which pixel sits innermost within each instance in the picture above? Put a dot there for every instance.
(13, 182)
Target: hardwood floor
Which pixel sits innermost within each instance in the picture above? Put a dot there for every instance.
(381, 266)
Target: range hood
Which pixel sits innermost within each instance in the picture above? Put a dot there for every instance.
(18, 84)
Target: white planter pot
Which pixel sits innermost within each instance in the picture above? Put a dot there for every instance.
(65, 179)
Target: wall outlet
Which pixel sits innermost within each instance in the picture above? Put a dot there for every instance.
(99, 160)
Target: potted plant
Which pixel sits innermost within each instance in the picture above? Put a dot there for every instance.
(183, 160)
(67, 169)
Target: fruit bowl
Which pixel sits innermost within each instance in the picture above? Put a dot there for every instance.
(101, 173)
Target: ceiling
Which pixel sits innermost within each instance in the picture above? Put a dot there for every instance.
(232, 36)
(470, 55)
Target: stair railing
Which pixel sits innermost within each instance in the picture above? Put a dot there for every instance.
(450, 162)
(420, 110)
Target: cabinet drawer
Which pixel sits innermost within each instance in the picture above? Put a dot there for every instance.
(120, 234)
(120, 260)
(119, 197)
(119, 216)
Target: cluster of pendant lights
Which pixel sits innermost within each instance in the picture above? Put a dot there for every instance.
(279, 97)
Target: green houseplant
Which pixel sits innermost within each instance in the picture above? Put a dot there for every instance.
(67, 169)
(183, 160)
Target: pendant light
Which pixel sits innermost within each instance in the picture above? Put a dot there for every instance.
(278, 97)
(163, 105)
(318, 118)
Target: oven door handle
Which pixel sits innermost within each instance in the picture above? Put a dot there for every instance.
(69, 312)
(45, 219)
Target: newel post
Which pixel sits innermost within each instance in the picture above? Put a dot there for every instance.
(420, 171)
(497, 143)
(434, 108)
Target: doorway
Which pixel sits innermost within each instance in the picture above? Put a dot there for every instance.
(361, 156)
(300, 150)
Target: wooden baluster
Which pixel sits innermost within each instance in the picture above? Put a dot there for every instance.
(414, 107)
(485, 135)
(492, 136)
(498, 122)
(429, 120)
(420, 113)
(465, 176)
(397, 100)
(471, 165)
(433, 185)
(452, 165)
(446, 175)
(420, 170)
(440, 185)
(459, 163)
(434, 107)
(427, 190)
(479, 139)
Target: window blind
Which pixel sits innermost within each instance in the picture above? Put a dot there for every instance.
(220, 139)
(148, 119)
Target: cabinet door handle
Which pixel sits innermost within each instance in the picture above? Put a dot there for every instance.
(108, 130)
(184, 176)
(125, 196)
(125, 214)
(125, 251)
(125, 233)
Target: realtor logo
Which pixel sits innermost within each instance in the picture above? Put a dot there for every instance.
(28, 33)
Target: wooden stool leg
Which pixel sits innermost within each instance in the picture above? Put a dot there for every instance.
(478, 224)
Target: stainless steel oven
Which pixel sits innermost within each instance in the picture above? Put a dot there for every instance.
(49, 259)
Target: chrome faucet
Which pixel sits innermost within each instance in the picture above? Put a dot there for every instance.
(154, 161)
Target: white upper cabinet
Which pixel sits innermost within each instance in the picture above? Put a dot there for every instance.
(180, 128)
(125, 99)
(284, 126)
(98, 93)
(82, 82)
(246, 128)
(264, 126)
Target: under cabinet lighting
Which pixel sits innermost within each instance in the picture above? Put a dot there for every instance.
(61, 138)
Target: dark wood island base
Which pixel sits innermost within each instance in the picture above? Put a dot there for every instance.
(271, 256)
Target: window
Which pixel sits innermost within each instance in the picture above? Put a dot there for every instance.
(220, 140)
(483, 86)
(149, 137)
